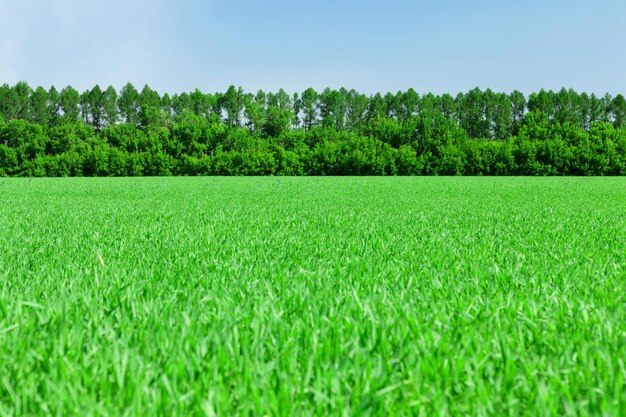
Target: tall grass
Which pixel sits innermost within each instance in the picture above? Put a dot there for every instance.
(313, 296)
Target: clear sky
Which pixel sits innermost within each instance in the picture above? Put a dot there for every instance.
(432, 46)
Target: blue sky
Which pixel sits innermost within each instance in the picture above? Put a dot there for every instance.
(436, 46)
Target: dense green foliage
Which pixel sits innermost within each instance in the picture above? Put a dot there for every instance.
(335, 132)
(312, 296)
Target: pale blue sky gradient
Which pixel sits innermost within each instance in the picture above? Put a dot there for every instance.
(435, 46)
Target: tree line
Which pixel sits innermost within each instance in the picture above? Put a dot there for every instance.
(103, 132)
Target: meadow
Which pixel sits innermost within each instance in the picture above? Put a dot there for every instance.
(314, 296)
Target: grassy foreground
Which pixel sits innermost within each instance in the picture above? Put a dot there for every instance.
(313, 296)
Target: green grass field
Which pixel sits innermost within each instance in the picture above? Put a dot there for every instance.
(313, 296)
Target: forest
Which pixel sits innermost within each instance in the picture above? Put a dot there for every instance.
(105, 132)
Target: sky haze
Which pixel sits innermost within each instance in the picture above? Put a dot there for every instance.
(371, 46)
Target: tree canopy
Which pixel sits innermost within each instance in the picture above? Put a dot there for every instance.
(106, 132)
